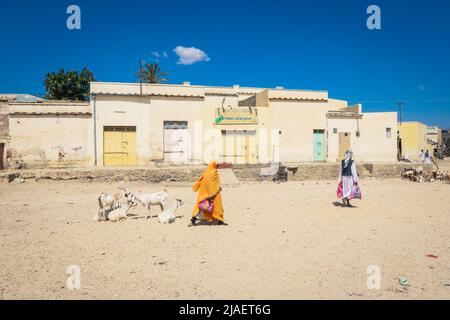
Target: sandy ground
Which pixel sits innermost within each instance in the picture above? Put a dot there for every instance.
(286, 241)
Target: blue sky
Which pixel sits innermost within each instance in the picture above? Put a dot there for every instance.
(320, 45)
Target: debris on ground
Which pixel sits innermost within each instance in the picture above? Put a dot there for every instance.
(404, 282)
(281, 175)
(14, 161)
(420, 175)
(16, 178)
(431, 256)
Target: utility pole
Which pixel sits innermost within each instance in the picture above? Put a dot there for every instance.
(400, 107)
(140, 75)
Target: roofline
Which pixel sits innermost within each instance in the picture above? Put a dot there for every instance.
(413, 122)
(51, 103)
(202, 86)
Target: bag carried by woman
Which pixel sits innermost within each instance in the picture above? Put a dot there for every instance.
(356, 192)
(339, 190)
(206, 205)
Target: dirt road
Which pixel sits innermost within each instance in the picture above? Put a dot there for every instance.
(286, 241)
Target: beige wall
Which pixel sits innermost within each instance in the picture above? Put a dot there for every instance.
(39, 138)
(372, 144)
(148, 115)
(297, 122)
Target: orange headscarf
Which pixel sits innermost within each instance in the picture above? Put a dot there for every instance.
(208, 186)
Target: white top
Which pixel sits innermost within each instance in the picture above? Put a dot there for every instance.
(354, 172)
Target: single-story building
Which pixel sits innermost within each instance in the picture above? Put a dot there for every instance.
(127, 124)
(247, 125)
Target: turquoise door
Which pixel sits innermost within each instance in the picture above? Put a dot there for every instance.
(319, 145)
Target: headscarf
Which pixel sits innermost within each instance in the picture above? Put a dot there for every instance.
(347, 157)
(210, 180)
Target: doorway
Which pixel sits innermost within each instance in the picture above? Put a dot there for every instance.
(240, 146)
(2, 156)
(319, 145)
(119, 146)
(344, 143)
(176, 141)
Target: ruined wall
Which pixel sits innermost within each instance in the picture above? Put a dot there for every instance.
(44, 140)
(4, 122)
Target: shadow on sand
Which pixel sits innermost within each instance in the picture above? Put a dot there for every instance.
(340, 204)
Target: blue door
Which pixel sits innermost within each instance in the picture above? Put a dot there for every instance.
(319, 145)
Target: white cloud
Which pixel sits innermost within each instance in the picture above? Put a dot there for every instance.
(422, 87)
(165, 55)
(190, 55)
(155, 54)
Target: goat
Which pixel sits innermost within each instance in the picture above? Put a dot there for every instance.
(120, 214)
(108, 200)
(168, 215)
(446, 177)
(149, 199)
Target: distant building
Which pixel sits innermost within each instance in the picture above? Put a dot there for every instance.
(434, 138)
(413, 139)
(4, 130)
(446, 141)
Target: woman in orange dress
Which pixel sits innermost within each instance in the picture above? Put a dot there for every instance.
(208, 187)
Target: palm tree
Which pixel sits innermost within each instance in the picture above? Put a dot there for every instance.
(151, 73)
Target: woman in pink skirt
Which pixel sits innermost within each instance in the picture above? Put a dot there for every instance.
(347, 176)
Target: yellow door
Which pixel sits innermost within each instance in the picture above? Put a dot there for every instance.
(129, 148)
(119, 145)
(344, 143)
(228, 146)
(251, 155)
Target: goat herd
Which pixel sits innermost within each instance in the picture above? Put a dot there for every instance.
(110, 208)
(421, 175)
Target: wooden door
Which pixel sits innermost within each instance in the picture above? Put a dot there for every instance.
(344, 143)
(119, 146)
(2, 156)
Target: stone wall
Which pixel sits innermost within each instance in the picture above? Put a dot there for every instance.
(191, 174)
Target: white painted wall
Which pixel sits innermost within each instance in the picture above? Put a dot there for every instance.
(372, 145)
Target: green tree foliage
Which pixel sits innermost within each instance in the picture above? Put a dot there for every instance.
(68, 85)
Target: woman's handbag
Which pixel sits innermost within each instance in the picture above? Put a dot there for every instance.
(339, 190)
(356, 192)
(206, 205)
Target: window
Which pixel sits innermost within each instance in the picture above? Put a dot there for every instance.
(388, 132)
(335, 130)
(175, 124)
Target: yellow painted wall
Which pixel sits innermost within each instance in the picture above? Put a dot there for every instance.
(414, 139)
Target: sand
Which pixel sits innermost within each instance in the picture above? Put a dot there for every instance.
(283, 241)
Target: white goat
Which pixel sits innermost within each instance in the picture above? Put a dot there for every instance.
(120, 214)
(108, 200)
(168, 215)
(149, 199)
